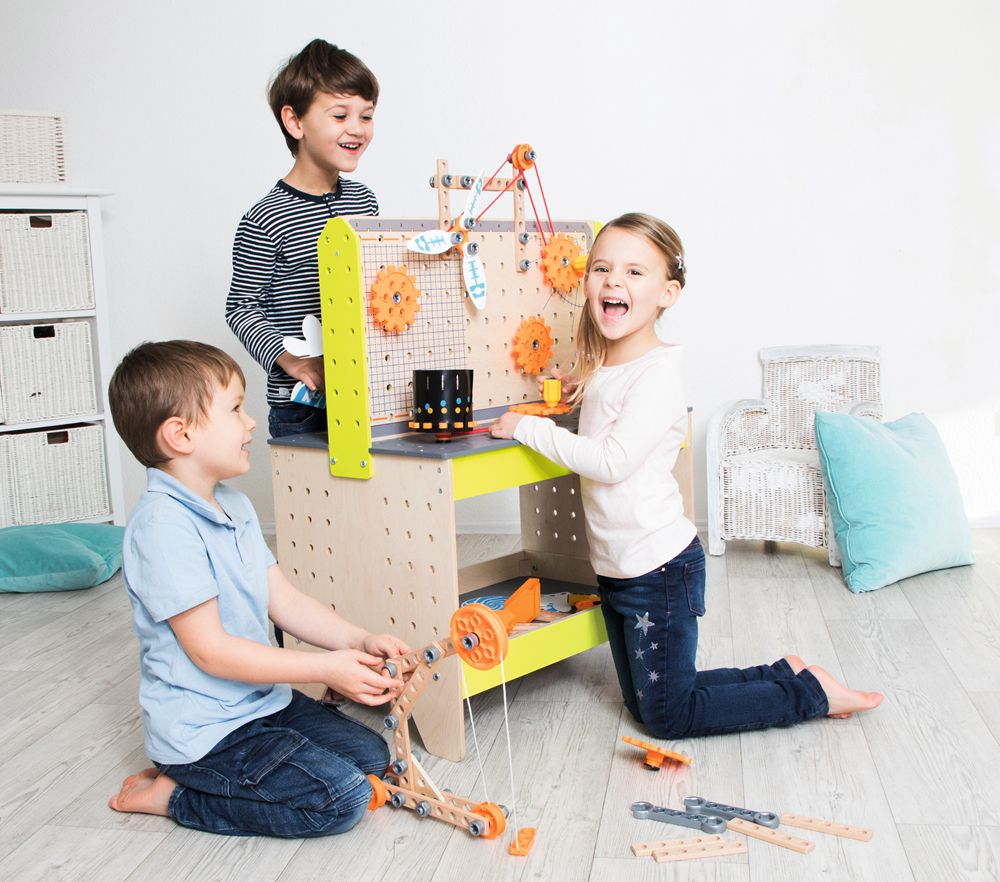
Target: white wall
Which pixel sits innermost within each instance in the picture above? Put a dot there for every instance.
(832, 167)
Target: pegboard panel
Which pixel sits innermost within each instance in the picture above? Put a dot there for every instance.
(448, 332)
(382, 553)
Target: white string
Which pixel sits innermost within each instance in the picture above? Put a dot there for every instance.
(472, 723)
(510, 758)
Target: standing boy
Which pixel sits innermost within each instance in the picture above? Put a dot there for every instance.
(236, 750)
(324, 101)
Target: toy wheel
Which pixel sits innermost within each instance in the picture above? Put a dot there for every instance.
(495, 818)
(394, 299)
(532, 347)
(379, 793)
(558, 256)
(489, 632)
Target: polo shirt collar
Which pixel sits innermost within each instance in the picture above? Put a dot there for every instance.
(158, 481)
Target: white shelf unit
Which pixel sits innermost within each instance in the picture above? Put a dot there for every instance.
(42, 201)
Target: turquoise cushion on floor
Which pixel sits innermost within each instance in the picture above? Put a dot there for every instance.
(894, 498)
(59, 557)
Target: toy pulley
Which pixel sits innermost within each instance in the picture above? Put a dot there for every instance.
(479, 634)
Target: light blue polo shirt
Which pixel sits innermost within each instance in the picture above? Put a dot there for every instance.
(179, 552)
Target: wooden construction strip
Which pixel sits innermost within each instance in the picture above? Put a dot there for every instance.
(694, 852)
(862, 834)
(775, 837)
(645, 849)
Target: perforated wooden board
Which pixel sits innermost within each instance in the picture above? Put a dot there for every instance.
(448, 331)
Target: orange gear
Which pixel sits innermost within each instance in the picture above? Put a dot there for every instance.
(538, 408)
(495, 818)
(532, 347)
(559, 263)
(394, 299)
(490, 633)
(521, 157)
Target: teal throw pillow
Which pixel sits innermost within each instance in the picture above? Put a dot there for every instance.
(59, 557)
(894, 498)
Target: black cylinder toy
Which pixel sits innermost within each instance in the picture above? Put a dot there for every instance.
(442, 401)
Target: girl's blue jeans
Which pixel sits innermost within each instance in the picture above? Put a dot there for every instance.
(652, 623)
(299, 772)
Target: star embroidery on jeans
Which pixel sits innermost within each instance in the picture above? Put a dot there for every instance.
(654, 676)
(638, 693)
(642, 623)
(639, 653)
(653, 647)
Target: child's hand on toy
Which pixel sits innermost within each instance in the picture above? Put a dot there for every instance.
(505, 425)
(385, 645)
(360, 677)
(308, 369)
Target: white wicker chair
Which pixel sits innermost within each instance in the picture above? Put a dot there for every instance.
(764, 479)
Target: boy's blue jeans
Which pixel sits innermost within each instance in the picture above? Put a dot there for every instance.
(652, 623)
(299, 772)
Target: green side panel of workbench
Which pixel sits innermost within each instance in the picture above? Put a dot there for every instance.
(500, 469)
(343, 301)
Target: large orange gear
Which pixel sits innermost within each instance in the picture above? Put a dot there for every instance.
(394, 299)
(532, 346)
(559, 258)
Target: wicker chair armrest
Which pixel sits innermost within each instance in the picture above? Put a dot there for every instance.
(741, 427)
(870, 409)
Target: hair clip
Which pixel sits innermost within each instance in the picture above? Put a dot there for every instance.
(680, 263)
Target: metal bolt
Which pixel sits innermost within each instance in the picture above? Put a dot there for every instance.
(524, 265)
(390, 722)
(521, 185)
(423, 808)
(436, 676)
(523, 238)
(456, 238)
(467, 181)
(431, 654)
(470, 641)
(399, 767)
(333, 460)
(398, 800)
(364, 463)
(447, 180)
(477, 828)
(433, 180)
(530, 155)
(472, 248)
(392, 669)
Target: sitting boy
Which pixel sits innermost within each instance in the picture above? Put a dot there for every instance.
(236, 749)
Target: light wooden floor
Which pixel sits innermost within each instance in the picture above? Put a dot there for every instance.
(923, 771)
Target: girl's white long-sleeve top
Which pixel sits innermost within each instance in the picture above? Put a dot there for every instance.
(633, 420)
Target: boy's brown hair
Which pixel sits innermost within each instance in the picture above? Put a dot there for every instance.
(319, 67)
(156, 381)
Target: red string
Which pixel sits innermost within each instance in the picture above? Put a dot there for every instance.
(492, 176)
(510, 184)
(538, 223)
(545, 201)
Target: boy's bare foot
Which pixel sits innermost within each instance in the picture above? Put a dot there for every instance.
(796, 663)
(147, 792)
(843, 701)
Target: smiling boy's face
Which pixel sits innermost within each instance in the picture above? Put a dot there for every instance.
(222, 435)
(334, 132)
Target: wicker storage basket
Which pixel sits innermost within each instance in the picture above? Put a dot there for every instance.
(57, 476)
(46, 371)
(45, 262)
(32, 148)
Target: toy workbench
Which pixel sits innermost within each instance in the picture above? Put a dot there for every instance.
(365, 515)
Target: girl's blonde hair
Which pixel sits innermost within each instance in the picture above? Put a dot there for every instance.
(591, 345)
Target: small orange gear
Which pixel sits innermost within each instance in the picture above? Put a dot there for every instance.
(559, 261)
(394, 299)
(532, 347)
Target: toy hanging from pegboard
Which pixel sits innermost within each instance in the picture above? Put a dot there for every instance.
(394, 299)
(562, 262)
(532, 345)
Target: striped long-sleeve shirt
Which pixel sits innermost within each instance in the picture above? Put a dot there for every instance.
(275, 271)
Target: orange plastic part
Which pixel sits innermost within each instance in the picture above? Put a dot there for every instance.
(394, 299)
(656, 755)
(532, 347)
(521, 844)
(535, 408)
(379, 794)
(519, 157)
(491, 628)
(496, 820)
(559, 263)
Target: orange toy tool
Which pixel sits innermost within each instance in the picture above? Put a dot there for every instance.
(656, 755)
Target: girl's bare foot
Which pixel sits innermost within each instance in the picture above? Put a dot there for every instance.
(796, 663)
(147, 792)
(843, 701)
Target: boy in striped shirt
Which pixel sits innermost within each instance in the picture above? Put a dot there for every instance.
(324, 101)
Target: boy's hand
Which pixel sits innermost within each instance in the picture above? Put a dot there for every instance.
(308, 369)
(505, 425)
(385, 645)
(359, 677)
